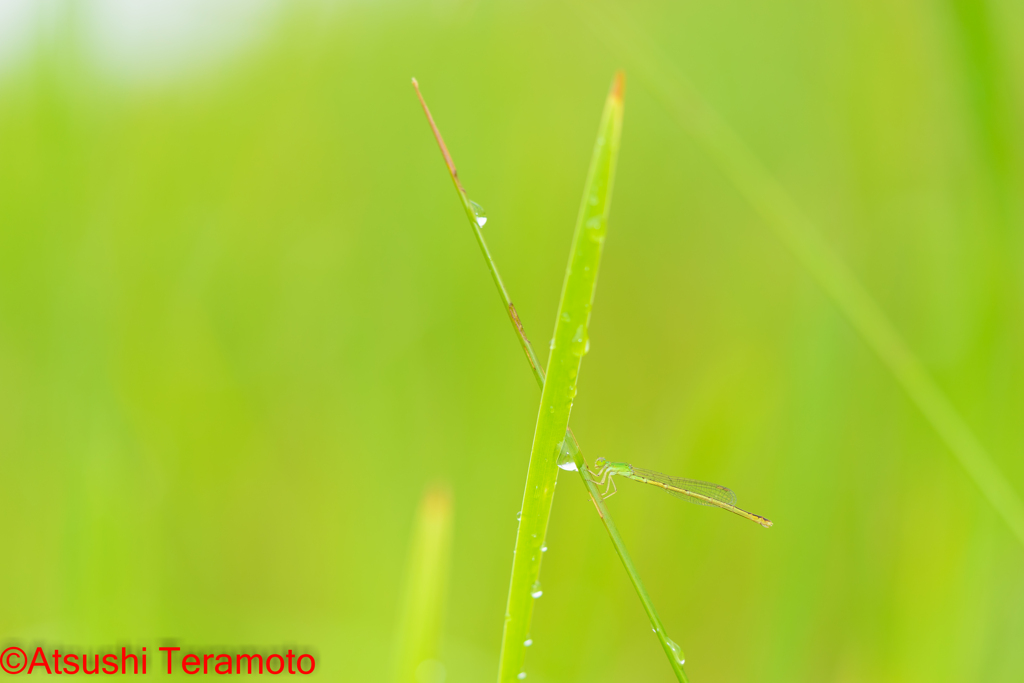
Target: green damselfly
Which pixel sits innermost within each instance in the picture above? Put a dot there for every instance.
(692, 490)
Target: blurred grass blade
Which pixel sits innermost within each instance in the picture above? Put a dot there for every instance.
(419, 627)
(788, 222)
(568, 347)
(672, 650)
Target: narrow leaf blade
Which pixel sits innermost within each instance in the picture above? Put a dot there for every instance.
(570, 344)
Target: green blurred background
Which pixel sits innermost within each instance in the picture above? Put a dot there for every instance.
(243, 324)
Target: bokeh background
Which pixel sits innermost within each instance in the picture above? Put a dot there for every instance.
(243, 324)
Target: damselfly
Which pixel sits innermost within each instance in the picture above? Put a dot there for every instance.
(699, 492)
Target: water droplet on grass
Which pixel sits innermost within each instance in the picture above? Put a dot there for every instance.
(579, 341)
(595, 228)
(522, 675)
(543, 548)
(677, 651)
(536, 591)
(528, 642)
(565, 456)
(478, 211)
(519, 515)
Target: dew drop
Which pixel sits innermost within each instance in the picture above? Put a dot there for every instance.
(519, 515)
(586, 349)
(522, 675)
(595, 228)
(579, 341)
(565, 456)
(536, 591)
(478, 211)
(677, 651)
(543, 548)
(528, 642)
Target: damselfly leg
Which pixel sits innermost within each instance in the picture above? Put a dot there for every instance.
(611, 485)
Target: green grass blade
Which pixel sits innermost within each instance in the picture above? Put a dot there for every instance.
(468, 208)
(419, 628)
(568, 347)
(671, 649)
(788, 222)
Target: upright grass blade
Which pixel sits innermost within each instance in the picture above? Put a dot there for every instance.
(672, 650)
(785, 218)
(419, 628)
(569, 344)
